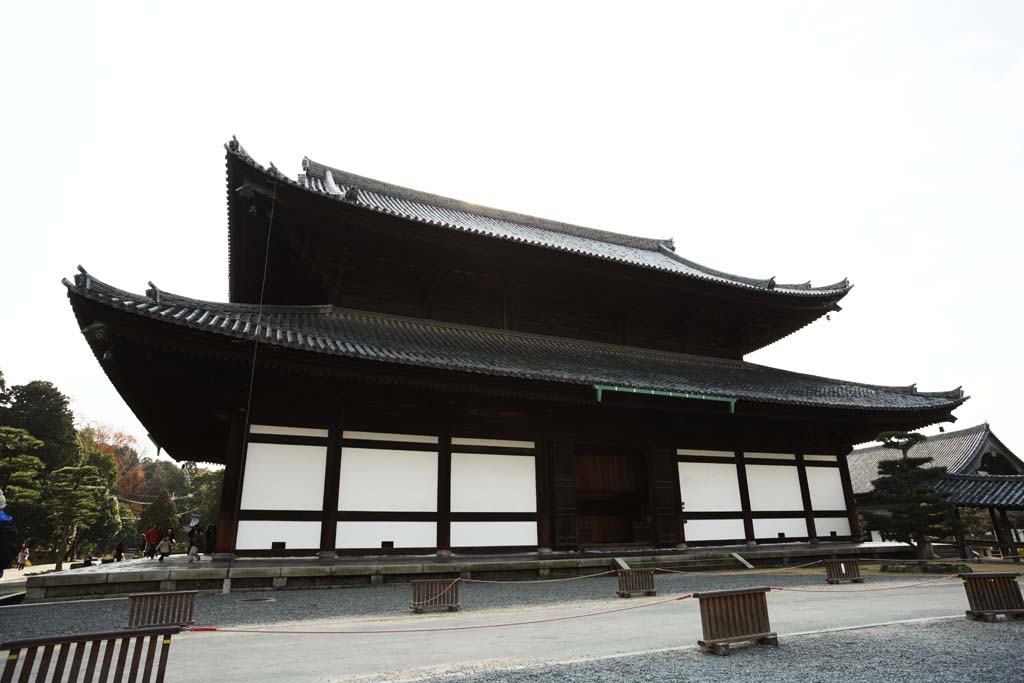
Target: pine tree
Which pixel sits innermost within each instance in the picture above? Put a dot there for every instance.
(915, 513)
(73, 498)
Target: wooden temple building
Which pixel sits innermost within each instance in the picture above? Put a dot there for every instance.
(402, 371)
(982, 473)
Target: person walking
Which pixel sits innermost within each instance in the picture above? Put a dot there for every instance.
(193, 544)
(152, 537)
(119, 552)
(23, 557)
(8, 537)
(163, 548)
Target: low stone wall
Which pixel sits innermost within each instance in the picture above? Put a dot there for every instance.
(122, 578)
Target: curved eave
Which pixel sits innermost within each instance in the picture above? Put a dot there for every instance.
(238, 321)
(649, 251)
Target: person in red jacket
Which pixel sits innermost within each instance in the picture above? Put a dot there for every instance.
(153, 537)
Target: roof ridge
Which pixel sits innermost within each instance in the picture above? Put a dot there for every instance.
(934, 437)
(341, 177)
(650, 253)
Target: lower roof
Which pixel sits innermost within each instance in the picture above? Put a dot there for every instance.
(959, 452)
(983, 491)
(462, 348)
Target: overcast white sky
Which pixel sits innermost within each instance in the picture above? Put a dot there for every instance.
(878, 141)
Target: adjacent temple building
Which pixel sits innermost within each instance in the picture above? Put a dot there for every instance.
(399, 370)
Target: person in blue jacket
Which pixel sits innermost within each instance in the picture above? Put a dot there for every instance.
(9, 544)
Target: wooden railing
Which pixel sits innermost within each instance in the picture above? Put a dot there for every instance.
(636, 581)
(842, 571)
(161, 609)
(435, 593)
(114, 656)
(990, 594)
(734, 616)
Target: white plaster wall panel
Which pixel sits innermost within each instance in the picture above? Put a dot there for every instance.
(383, 436)
(774, 487)
(826, 487)
(770, 528)
(821, 458)
(284, 477)
(770, 456)
(500, 443)
(371, 534)
(705, 454)
(493, 483)
(714, 530)
(477, 534)
(709, 487)
(287, 431)
(259, 535)
(383, 480)
(825, 525)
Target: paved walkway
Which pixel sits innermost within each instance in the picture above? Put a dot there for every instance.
(327, 657)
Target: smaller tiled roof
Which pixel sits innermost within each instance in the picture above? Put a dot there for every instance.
(454, 214)
(952, 450)
(487, 351)
(981, 490)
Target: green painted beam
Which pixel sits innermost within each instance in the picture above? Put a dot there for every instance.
(601, 388)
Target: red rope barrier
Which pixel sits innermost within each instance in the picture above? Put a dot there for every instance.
(566, 578)
(776, 570)
(209, 629)
(863, 590)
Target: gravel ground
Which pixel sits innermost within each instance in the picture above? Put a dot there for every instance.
(30, 621)
(947, 650)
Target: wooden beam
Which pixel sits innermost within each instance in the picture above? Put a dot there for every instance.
(332, 481)
(748, 520)
(231, 494)
(444, 492)
(805, 494)
(851, 501)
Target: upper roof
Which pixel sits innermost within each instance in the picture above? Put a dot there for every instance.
(463, 348)
(444, 212)
(983, 490)
(959, 452)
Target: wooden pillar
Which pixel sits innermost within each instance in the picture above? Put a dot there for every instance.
(851, 501)
(961, 538)
(332, 481)
(563, 458)
(748, 519)
(664, 487)
(231, 493)
(444, 493)
(1011, 539)
(542, 474)
(1004, 537)
(805, 495)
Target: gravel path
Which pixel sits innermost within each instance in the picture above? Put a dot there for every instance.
(28, 620)
(947, 650)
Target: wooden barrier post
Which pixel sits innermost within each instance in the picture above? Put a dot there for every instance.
(990, 594)
(734, 616)
(161, 609)
(435, 593)
(636, 581)
(842, 571)
(117, 656)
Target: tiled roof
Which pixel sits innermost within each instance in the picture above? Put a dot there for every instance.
(953, 450)
(981, 490)
(434, 344)
(462, 216)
